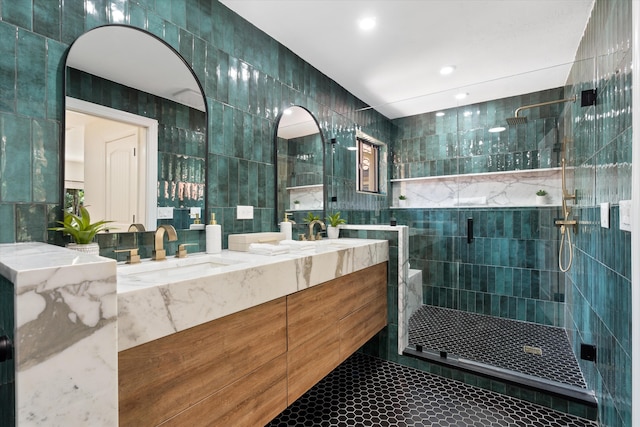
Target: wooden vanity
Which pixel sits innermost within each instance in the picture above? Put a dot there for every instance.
(245, 368)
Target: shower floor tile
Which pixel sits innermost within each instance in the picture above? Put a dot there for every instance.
(367, 391)
(498, 342)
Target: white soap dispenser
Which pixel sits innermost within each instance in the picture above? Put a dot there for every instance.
(286, 226)
(213, 236)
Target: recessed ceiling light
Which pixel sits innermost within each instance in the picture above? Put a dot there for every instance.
(447, 69)
(288, 111)
(367, 24)
(497, 129)
(461, 95)
(440, 114)
(468, 113)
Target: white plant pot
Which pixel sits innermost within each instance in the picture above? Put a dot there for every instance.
(541, 200)
(402, 203)
(92, 248)
(296, 206)
(333, 232)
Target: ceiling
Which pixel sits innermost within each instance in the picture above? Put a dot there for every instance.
(499, 48)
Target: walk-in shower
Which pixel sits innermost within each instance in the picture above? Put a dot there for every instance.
(494, 304)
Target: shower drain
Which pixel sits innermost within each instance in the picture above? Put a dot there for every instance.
(533, 350)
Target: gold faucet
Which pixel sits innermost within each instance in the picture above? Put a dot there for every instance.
(159, 253)
(136, 227)
(312, 224)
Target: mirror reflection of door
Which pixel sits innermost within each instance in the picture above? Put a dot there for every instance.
(106, 162)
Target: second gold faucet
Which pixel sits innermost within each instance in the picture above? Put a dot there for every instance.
(159, 253)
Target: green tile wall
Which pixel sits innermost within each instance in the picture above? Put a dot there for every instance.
(459, 142)
(599, 283)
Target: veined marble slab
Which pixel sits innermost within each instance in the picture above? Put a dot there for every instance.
(65, 335)
(154, 307)
(498, 189)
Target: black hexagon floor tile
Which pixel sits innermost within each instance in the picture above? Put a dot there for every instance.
(367, 391)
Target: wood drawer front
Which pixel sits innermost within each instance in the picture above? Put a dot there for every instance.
(312, 361)
(361, 325)
(311, 311)
(361, 287)
(159, 379)
(253, 400)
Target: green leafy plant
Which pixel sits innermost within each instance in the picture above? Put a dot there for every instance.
(335, 220)
(402, 197)
(79, 227)
(296, 202)
(311, 217)
(541, 193)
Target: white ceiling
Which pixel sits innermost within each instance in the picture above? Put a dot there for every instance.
(500, 48)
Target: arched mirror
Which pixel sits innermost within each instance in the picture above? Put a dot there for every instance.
(300, 164)
(135, 130)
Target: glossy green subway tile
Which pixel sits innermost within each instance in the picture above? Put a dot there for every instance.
(46, 18)
(31, 75)
(8, 42)
(15, 174)
(45, 167)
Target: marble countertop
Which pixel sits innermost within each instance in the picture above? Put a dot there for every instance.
(29, 264)
(155, 305)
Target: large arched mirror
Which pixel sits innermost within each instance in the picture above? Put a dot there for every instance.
(135, 130)
(300, 164)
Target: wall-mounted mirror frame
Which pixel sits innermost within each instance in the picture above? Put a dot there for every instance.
(300, 161)
(147, 66)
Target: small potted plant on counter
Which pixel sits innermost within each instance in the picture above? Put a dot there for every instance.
(541, 197)
(333, 221)
(82, 231)
(296, 205)
(402, 200)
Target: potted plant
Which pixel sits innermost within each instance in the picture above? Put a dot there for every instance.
(333, 221)
(81, 230)
(541, 197)
(402, 200)
(296, 205)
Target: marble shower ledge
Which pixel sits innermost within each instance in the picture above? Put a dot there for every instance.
(494, 190)
(149, 309)
(65, 331)
(481, 174)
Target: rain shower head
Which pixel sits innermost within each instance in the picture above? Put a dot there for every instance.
(519, 120)
(513, 121)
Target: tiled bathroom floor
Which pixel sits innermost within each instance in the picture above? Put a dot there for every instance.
(498, 342)
(367, 391)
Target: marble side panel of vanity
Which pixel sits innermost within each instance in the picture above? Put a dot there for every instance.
(65, 330)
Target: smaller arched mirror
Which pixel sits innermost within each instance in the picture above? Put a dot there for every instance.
(300, 163)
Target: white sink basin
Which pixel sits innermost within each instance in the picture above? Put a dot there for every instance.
(176, 269)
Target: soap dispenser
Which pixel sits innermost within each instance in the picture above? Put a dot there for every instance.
(286, 226)
(197, 224)
(213, 236)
